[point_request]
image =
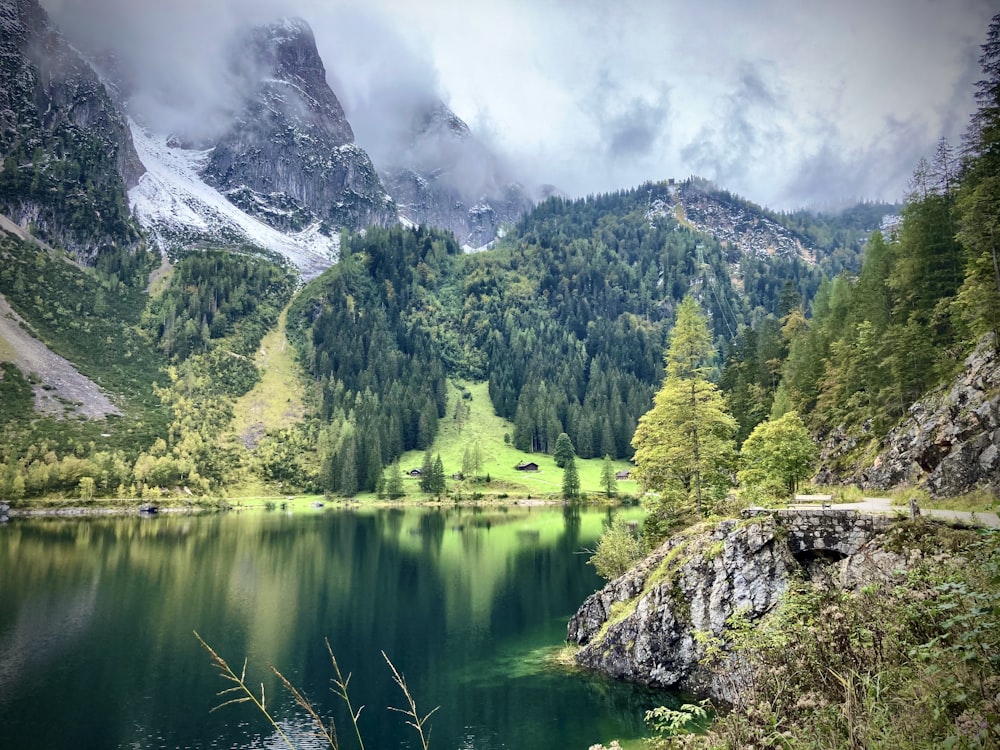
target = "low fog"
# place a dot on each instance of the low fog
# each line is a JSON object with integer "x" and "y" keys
{"x": 784, "y": 103}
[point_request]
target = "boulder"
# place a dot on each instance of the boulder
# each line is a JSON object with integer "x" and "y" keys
{"x": 642, "y": 627}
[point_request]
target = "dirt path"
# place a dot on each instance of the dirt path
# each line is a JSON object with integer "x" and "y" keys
{"x": 62, "y": 391}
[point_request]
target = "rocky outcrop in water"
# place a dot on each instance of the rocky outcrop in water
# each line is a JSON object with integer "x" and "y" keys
{"x": 289, "y": 156}
{"x": 644, "y": 626}
{"x": 949, "y": 441}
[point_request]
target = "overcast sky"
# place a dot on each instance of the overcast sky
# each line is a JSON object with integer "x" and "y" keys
{"x": 786, "y": 102}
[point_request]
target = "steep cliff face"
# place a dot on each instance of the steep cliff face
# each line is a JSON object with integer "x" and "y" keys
{"x": 67, "y": 152}
{"x": 447, "y": 178}
{"x": 641, "y": 627}
{"x": 289, "y": 156}
{"x": 644, "y": 626}
{"x": 949, "y": 441}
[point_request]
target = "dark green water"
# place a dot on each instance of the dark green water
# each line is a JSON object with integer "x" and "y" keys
{"x": 96, "y": 621}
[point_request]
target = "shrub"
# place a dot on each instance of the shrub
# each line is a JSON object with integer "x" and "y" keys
{"x": 618, "y": 550}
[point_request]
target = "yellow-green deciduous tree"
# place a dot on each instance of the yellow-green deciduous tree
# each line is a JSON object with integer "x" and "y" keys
{"x": 778, "y": 452}
{"x": 686, "y": 440}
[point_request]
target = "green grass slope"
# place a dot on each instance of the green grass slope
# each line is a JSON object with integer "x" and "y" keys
{"x": 482, "y": 426}
{"x": 277, "y": 401}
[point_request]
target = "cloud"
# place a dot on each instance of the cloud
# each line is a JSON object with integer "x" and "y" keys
{"x": 835, "y": 174}
{"x": 172, "y": 55}
{"x": 631, "y": 125}
{"x": 748, "y": 132}
{"x": 383, "y": 78}
{"x": 784, "y": 102}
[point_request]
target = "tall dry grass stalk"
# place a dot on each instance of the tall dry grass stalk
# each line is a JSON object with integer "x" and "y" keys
{"x": 242, "y": 692}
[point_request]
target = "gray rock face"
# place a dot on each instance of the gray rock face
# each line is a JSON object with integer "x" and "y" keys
{"x": 289, "y": 156}
{"x": 737, "y": 225}
{"x": 446, "y": 178}
{"x": 949, "y": 441}
{"x": 642, "y": 626}
{"x": 67, "y": 150}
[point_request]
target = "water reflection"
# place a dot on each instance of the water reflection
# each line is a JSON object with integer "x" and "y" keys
{"x": 96, "y": 618}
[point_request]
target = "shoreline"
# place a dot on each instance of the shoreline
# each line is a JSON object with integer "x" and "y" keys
{"x": 307, "y": 503}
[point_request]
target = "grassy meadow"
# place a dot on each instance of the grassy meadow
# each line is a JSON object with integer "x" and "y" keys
{"x": 483, "y": 427}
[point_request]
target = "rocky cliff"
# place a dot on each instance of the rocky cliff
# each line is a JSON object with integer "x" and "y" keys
{"x": 443, "y": 176}
{"x": 644, "y": 626}
{"x": 949, "y": 441}
{"x": 735, "y": 223}
{"x": 67, "y": 152}
{"x": 289, "y": 156}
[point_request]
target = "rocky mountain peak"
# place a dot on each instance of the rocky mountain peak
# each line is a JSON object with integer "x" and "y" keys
{"x": 280, "y": 61}
{"x": 437, "y": 119}
{"x": 444, "y": 176}
{"x": 288, "y": 156}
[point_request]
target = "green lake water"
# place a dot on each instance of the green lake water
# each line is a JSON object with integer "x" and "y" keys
{"x": 96, "y": 621}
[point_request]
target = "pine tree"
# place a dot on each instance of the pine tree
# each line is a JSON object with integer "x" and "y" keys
{"x": 978, "y": 204}
{"x": 394, "y": 484}
{"x": 571, "y": 481}
{"x": 437, "y": 486}
{"x": 477, "y": 459}
{"x": 467, "y": 462}
{"x": 426, "y": 472}
{"x": 348, "y": 467}
{"x": 608, "y": 478}
{"x": 686, "y": 437}
{"x": 563, "y": 450}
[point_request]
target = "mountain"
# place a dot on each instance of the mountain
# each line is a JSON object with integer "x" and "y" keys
{"x": 67, "y": 152}
{"x": 180, "y": 211}
{"x": 566, "y": 317}
{"x": 284, "y": 174}
{"x": 289, "y": 157}
{"x": 443, "y": 176}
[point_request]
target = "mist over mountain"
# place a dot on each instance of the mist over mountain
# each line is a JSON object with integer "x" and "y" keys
{"x": 441, "y": 175}
{"x": 282, "y": 149}
{"x": 791, "y": 106}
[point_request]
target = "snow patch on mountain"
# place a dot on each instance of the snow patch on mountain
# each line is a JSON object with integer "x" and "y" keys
{"x": 180, "y": 211}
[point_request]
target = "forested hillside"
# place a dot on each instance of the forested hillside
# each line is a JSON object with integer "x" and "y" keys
{"x": 173, "y": 364}
{"x": 868, "y": 345}
{"x": 566, "y": 319}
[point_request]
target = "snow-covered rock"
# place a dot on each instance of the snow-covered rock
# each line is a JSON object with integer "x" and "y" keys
{"x": 180, "y": 210}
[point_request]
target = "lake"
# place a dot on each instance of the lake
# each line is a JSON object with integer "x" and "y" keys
{"x": 97, "y": 618}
